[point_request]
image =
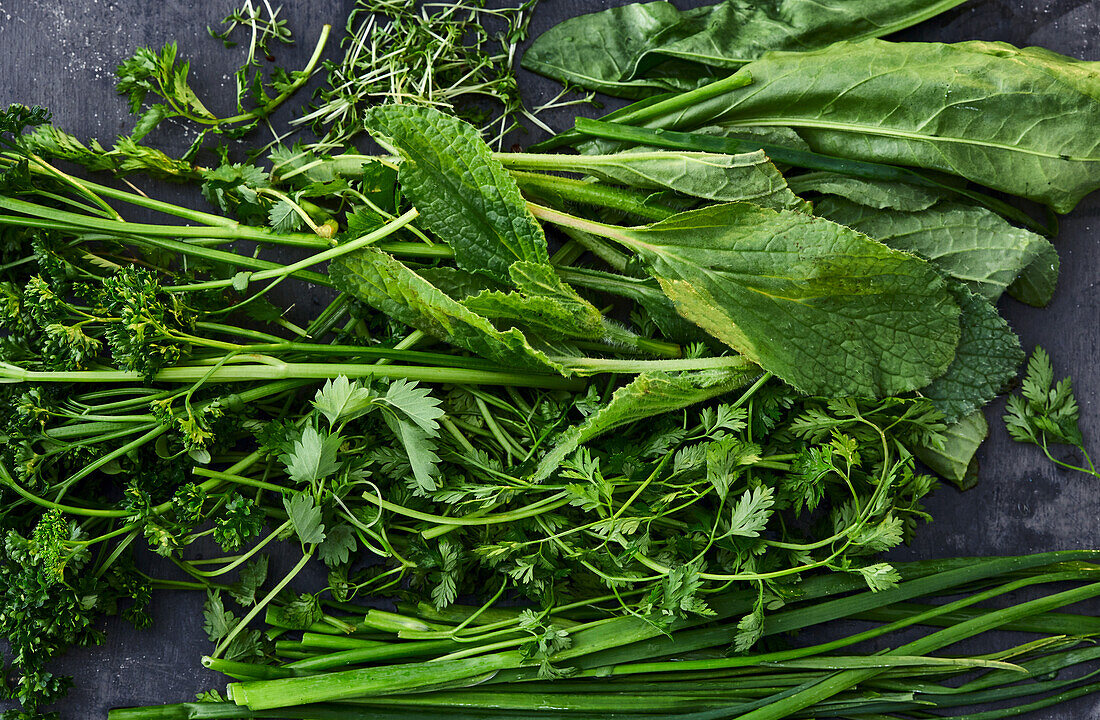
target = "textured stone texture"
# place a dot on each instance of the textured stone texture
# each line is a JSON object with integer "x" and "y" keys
{"x": 61, "y": 54}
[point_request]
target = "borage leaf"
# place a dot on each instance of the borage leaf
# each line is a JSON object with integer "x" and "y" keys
{"x": 464, "y": 196}
{"x": 986, "y": 360}
{"x": 827, "y": 309}
{"x": 385, "y": 283}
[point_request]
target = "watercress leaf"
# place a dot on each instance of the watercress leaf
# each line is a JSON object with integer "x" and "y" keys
{"x": 967, "y": 242}
{"x": 985, "y": 361}
{"x": 954, "y": 460}
{"x": 986, "y": 111}
{"x": 416, "y": 403}
{"x": 305, "y": 517}
{"x": 648, "y": 394}
{"x": 751, "y": 513}
{"x": 623, "y": 51}
{"x": 465, "y": 196}
{"x": 313, "y": 456}
{"x": 827, "y": 309}
{"x": 385, "y": 283}
{"x": 341, "y": 399}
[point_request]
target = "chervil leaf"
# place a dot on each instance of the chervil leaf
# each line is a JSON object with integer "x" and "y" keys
{"x": 421, "y": 451}
{"x": 217, "y": 621}
{"x": 305, "y": 517}
{"x": 416, "y": 403}
{"x": 752, "y": 512}
{"x": 750, "y": 628}
{"x": 313, "y": 456}
{"x": 880, "y": 576}
{"x": 341, "y": 399}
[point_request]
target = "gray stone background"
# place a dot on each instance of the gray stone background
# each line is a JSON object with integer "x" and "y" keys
{"x": 62, "y": 54}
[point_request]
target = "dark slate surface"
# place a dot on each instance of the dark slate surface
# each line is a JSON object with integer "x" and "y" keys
{"x": 61, "y": 54}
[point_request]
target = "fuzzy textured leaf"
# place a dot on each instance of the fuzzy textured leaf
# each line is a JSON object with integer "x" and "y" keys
{"x": 827, "y": 309}
{"x": 722, "y": 178}
{"x": 465, "y": 197}
{"x": 955, "y": 460}
{"x": 986, "y": 360}
{"x": 385, "y": 283}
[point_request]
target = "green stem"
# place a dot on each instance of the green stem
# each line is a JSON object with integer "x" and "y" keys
{"x": 588, "y": 193}
{"x": 304, "y": 371}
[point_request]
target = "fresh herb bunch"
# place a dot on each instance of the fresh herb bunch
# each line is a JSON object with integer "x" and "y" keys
{"x": 458, "y": 56}
{"x": 586, "y": 661}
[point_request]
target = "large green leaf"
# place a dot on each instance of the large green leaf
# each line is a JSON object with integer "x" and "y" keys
{"x": 871, "y": 193}
{"x": 385, "y": 283}
{"x": 465, "y": 197}
{"x": 646, "y": 395}
{"x": 1036, "y": 283}
{"x": 825, "y": 308}
{"x": 710, "y": 176}
{"x": 1019, "y": 120}
{"x": 986, "y": 360}
{"x": 955, "y": 460}
{"x": 624, "y": 51}
{"x": 543, "y": 303}
{"x": 967, "y": 242}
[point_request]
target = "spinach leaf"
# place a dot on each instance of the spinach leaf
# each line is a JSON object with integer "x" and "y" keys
{"x": 385, "y": 283}
{"x": 955, "y": 459}
{"x": 1018, "y": 120}
{"x": 825, "y": 308}
{"x": 648, "y": 394}
{"x": 709, "y": 176}
{"x": 969, "y": 243}
{"x": 985, "y": 361}
{"x": 1036, "y": 283}
{"x": 627, "y": 51}
{"x": 872, "y": 193}
{"x": 465, "y": 197}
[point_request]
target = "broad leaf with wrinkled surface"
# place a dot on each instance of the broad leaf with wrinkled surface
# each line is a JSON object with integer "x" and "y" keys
{"x": 390, "y": 286}
{"x": 967, "y": 242}
{"x": 624, "y": 51}
{"x": 1018, "y": 120}
{"x": 465, "y": 197}
{"x": 985, "y": 361}
{"x": 825, "y": 308}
